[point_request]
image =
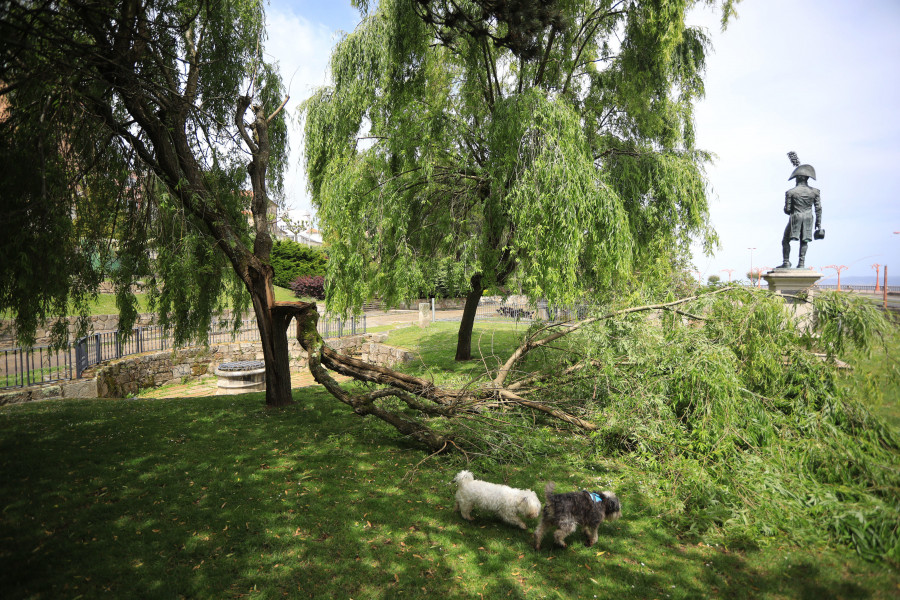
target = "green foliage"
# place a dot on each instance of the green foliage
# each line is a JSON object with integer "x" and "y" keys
{"x": 291, "y": 260}
{"x": 190, "y": 281}
{"x": 510, "y": 142}
{"x": 843, "y": 321}
{"x": 118, "y": 131}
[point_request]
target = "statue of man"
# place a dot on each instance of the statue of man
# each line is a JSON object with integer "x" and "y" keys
{"x": 803, "y": 205}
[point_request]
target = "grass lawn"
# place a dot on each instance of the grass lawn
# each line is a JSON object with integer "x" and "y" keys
{"x": 218, "y": 497}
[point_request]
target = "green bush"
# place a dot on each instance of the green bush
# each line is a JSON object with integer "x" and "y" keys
{"x": 292, "y": 260}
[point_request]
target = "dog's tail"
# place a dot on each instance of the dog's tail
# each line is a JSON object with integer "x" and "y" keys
{"x": 548, "y": 506}
{"x": 463, "y": 476}
{"x": 548, "y": 489}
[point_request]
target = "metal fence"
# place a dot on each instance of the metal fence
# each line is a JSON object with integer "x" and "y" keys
{"x": 21, "y": 367}
{"x": 40, "y": 364}
{"x": 852, "y": 287}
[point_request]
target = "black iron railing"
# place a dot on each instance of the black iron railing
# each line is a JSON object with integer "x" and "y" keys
{"x": 20, "y": 367}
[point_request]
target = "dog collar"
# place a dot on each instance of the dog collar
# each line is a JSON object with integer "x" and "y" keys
{"x": 595, "y": 497}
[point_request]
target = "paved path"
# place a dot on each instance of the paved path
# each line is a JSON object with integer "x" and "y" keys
{"x": 206, "y": 386}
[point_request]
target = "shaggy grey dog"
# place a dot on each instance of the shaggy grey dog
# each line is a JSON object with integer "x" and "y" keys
{"x": 568, "y": 511}
{"x": 508, "y": 503}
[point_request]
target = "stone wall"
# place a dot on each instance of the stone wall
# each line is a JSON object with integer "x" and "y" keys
{"x": 384, "y": 355}
{"x": 79, "y": 388}
{"x": 127, "y": 376}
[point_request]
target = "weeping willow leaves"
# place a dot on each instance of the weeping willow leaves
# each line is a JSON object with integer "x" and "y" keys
{"x": 61, "y": 232}
{"x": 552, "y": 152}
{"x": 120, "y": 120}
{"x": 744, "y": 429}
{"x": 844, "y": 320}
{"x": 564, "y": 214}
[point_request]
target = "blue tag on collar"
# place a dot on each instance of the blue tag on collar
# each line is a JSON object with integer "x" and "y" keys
{"x": 595, "y": 497}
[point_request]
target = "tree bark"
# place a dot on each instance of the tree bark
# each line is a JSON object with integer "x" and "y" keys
{"x": 272, "y": 325}
{"x": 464, "y": 337}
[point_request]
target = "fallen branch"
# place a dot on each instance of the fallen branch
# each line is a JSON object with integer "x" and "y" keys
{"x": 555, "y": 412}
{"x": 531, "y": 344}
{"x": 417, "y": 393}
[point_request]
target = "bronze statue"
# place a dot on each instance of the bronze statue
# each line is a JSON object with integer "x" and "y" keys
{"x": 802, "y": 204}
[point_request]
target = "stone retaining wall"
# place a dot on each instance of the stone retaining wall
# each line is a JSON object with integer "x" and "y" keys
{"x": 127, "y": 376}
{"x": 384, "y": 355}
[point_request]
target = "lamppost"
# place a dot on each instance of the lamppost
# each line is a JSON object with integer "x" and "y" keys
{"x": 729, "y": 271}
{"x": 759, "y": 273}
{"x": 837, "y": 268}
{"x": 751, "y": 259}
{"x": 877, "y": 268}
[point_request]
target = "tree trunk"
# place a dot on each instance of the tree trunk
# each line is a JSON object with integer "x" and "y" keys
{"x": 272, "y": 324}
{"x": 273, "y": 338}
{"x": 464, "y": 337}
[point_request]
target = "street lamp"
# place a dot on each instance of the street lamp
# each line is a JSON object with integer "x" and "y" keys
{"x": 729, "y": 271}
{"x": 837, "y": 268}
{"x": 759, "y": 273}
{"x": 751, "y": 259}
{"x": 877, "y": 268}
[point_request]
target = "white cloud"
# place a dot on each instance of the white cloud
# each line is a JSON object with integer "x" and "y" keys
{"x": 302, "y": 49}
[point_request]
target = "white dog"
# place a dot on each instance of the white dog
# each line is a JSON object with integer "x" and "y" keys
{"x": 507, "y": 502}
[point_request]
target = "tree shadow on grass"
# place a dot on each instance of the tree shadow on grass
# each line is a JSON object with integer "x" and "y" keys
{"x": 218, "y": 497}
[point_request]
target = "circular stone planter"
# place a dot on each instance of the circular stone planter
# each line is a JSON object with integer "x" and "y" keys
{"x": 241, "y": 377}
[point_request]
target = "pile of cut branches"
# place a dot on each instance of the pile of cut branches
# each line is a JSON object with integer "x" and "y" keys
{"x": 735, "y": 408}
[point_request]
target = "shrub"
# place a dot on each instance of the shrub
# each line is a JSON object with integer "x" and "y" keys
{"x": 309, "y": 286}
{"x": 291, "y": 260}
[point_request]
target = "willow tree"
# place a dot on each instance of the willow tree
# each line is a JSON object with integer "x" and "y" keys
{"x": 132, "y": 128}
{"x": 547, "y": 141}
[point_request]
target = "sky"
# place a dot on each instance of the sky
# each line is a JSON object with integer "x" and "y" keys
{"x": 819, "y": 77}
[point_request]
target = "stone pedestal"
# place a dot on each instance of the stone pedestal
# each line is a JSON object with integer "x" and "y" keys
{"x": 791, "y": 282}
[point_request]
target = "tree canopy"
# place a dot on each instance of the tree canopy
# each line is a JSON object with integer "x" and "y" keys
{"x": 550, "y": 141}
{"x": 124, "y": 132}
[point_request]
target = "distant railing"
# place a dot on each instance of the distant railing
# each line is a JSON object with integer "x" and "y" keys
{"x": 21, "y": 367}
{"x": 490, "y": 309}
{"x": 852, "y": 287}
